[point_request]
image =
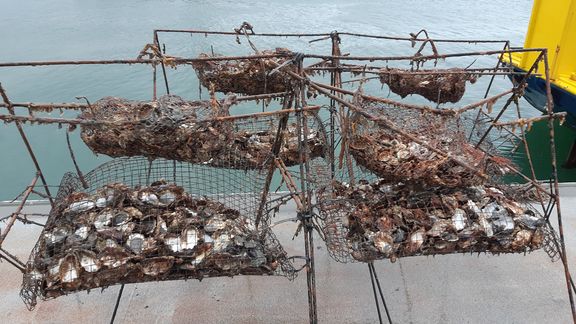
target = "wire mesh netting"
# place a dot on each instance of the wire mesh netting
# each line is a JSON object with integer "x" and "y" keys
{"x": 438, "y": 154}
{"x": 142, "y": 220}
{"x": 245, "y": 76}
{"x": 195, "y": 132}
{"x": 378, "y": 220}
{"x": 438, "y": 85}
{"x": 422, "y": 188}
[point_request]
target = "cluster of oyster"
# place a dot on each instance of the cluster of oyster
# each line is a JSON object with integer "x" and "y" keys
{"x": 170, "y": 128}
{"x": 123, "y": 235}
{"x": 245, "y": 76}
{"x": 391, "y": 221}
{"x": 439, "y": 86}
{"x": 397, "y": 159}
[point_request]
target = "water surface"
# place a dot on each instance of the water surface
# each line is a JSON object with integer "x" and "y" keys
{"x": 67, "y": 29}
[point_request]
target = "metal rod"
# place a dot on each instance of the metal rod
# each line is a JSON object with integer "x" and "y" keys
{"x": 371, "y": 264}
{"x": 400, "y": 38}
{"x": 524, "y": 121}
{"x": 157, "y": 43}
{"x": 174, "y": 60}
{"x": 375, "y": 294}
{"x": 430, "y": 72}
{"x": 12, "y": 219}
{"x": 27, "y": 144}
{"x": 180, "y": 61}
{"x": 512, "y": 98}
{"x": 550, "y": 110}
{"x": 423, "y": 57}
{"x": 493, "y": 76}
{"x": 78, "y": 171}
{"x": 13, "y": 257}
{"x": 428, "y": 109}
{"x": 282, "y": 124}
{"x": 117, "y": 304}
{"x": 42, "y": 107}
{"x": 71, "y": 121}
{"x": 12, "y": 262}
{"x": 34, "y": 106}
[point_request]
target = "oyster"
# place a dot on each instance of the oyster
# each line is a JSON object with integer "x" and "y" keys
{"x": 149, "y": 198}
{"x": 167, "y": 197}
{"x": 530, "y": 221}
{"x": 384, "y": 243}
{"x": 173, "y": 242}
{"x": 214, "y": 224}
{"x": 120, "y": 218}
{"x": 135, "y": 243}
{"x": 221, "y": 242}
{"x": 81, "y": 206}
{"x": 157, "y": 266}
{"x": 88, "y": 260}
{"x": 416, "y": 241}
{"x": 459, "y": 219}
{"x": 114, "y": 257}
{"x": 69, "y": 270}
{"x": 522, "y": 240}
{"x": 189, "y": 238}
{"x": 104, "y": 219}
{"x": 57, "y": 235}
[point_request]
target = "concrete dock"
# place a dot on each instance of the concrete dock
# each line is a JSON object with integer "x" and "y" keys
{"x": 441, "y": 289}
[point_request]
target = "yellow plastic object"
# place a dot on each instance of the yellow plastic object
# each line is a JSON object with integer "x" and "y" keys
{"x": 552, "y": 26}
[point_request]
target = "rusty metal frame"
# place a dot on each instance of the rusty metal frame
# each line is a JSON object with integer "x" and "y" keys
{"x": 339, "y": 108}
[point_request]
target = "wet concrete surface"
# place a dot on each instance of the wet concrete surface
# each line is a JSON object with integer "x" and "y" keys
{"x": 441, "y": 289}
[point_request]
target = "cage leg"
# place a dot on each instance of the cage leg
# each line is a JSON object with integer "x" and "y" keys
{"x": 371, "y": 265}
{"x": 375, "y": 294}
{"x": 310, "y": 272}
{"x": 117, "y": 304}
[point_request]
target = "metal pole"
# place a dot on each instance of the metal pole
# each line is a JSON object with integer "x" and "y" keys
{"x": 27, "y": 144}
{"x": 375, "y": 294}
{"x": 12, "y": 219}
{"x": 550, "y": 104}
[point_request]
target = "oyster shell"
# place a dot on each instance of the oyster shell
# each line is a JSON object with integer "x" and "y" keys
{"x": 149, "y": 198}
{"x": 156, "y": 266}
{"x": 135, "y": 243}
{"x": 521, "y": 240}
{"x": 103, "y": 219}
{"x": 81, "y": 206}
{"x": 221, "y": 242}
{"x": 417, "y": 239}
{"x": 114, "y": 257}
{"x": 57, "y": 235}
{"x": 214, "y": 224}
{"x": 189, "y": 238}
{"x": 88, "y": 260}
{"x": 530, "y": 221}
{"x": 459, "y": 219}
{"x": 173, "y": 242}
{"x": 384, "y": 243}
{"x": 167, "y": 197}
{"x": 69, "y": 270}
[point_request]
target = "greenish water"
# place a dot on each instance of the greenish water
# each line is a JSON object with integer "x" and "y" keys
{"x": 66, "y": 29}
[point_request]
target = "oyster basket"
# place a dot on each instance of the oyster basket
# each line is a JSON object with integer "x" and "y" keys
{"x": 359, "y": 225}
{"x": 396, "y": 158}
{"x": 224, "y": 199}
{"x": 377, "y": 220}
{"x": 200, "y": 132}
{"x": 246, "y": 76}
